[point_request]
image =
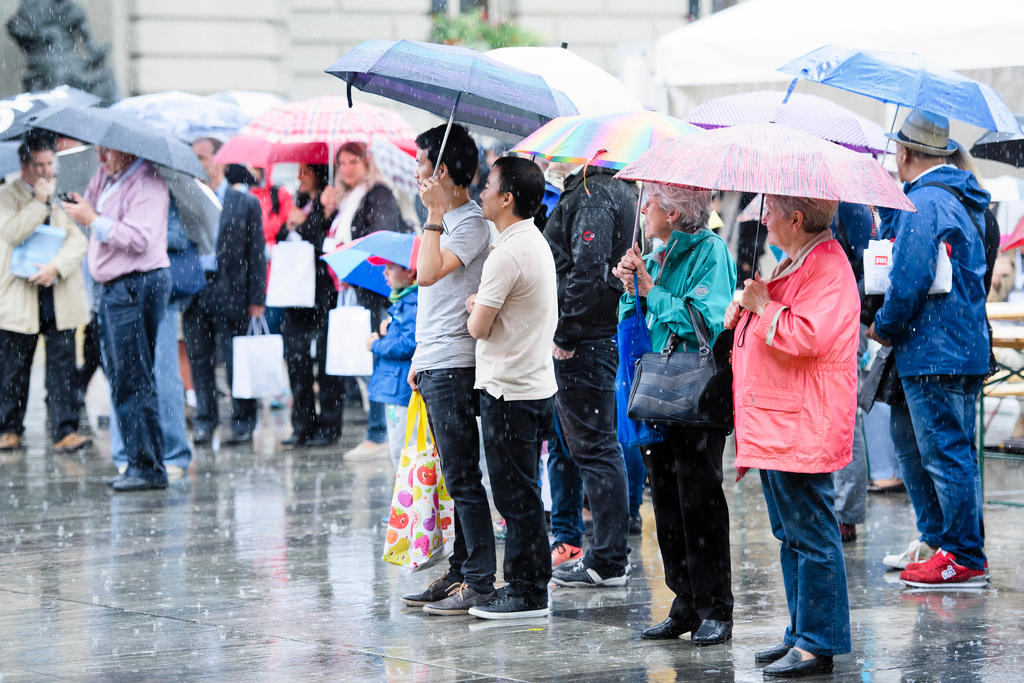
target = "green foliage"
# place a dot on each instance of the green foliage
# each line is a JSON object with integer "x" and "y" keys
{"x": 472, "y": 29}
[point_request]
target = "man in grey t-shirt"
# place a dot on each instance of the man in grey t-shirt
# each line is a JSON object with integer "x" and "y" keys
{"x": 451, "y": 258}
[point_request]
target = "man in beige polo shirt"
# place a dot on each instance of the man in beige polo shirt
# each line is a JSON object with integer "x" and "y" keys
{"x": 513, "y": 317}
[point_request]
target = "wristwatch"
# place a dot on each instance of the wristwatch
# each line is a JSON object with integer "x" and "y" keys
{"x": 434, "y": 226}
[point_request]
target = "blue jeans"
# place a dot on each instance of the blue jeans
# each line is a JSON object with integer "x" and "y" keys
{"x": 636, "y": 476}
{"x": 934, "y": 438}
{"x": 170, "y": 394}
{"x": 881, "y": 453}
{"x": 566, "y": 492}
{"x": 802, "y": 515}
{"x": 130, "y": 311}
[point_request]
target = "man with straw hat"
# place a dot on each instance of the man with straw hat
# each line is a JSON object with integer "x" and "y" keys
{"x": 941, "y": 347}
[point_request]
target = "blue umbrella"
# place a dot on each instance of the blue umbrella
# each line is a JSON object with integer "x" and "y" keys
{"x": 15, "y": 111}
{"x": 908, "y": 80}
{"x": 361, "y": 262}
{"x": 186, "y": 116}
{"x": 456, "y": 83}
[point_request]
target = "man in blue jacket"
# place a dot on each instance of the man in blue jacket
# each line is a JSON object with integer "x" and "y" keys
{"x": 942, "y": 352}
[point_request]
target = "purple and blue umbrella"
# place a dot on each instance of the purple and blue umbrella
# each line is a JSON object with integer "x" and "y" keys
{"x": 815, "y": 115}
{"x": 456, "y": 83}
{"x": 361, "y": 262}
{"x": 908, "y": 80}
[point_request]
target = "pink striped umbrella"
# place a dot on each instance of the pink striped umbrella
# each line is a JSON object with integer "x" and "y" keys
{"x": 814, "y": 115}
{"x": 769, "y": 158}
{"x": 331, "y": 121}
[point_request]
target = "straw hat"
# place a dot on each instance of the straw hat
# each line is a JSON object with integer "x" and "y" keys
{"x": 925, "y": 132}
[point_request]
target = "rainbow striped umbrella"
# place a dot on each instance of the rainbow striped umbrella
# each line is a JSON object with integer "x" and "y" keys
{"x": 609, "y": 140}
{"x": 769, "y": 158}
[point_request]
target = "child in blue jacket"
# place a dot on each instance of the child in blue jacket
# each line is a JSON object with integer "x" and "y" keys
{"x": 392, "y": 350}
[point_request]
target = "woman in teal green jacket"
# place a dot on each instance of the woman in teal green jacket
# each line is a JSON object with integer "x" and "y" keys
{"x": 685, "y": 470}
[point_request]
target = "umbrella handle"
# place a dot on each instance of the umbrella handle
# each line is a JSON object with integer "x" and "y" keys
{"x": 636, "y": 223}
{"x": 444, "y": 140}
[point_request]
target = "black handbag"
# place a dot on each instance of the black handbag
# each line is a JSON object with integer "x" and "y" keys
{"x": 679, "y": 387}
{"x": 882, "y": 383}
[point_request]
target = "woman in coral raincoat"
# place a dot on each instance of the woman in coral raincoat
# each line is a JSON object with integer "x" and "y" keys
{"x": 795, "y": 391}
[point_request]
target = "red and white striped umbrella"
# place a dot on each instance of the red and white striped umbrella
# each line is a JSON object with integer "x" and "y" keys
{"x": 769, "y": 158}
{"x": 330, "y": 120}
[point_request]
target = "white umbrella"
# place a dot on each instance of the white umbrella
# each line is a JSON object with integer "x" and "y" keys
{"x": 593, "y": 90}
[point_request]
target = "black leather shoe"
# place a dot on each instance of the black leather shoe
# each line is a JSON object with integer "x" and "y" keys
{"x": 131, "y": 483}
{"x": 201, "y": 435}
{"x": 712, "y": 632}
{"x": 237, "y": 438}
{"x": 321, "y": 441}
{"x": 669, "y": 629}
{"x": 771, "y": 654}
{"x": 791, "y": 665}
{"x": 295, "y": 441}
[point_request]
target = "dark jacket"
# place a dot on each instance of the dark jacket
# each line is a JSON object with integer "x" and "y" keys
{"x": 241, "y": 257}
{"x": 378, "y": 211}
{"x": 393, "y": 353}
{"x": 588, "y": 235}
{"x": 939, "y": 334}
{"x": 314, "y": 230}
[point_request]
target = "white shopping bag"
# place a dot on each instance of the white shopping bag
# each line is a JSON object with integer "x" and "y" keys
{"x": 257, "y": 363}
{"x": 878, "y": 264}
{"x": 292, "y": 275}
{"x": 347, "y": 330}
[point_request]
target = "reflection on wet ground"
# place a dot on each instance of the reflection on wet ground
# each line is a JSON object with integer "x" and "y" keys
{"x": 263, "y": 562}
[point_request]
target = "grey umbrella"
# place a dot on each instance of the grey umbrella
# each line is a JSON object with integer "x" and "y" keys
{"x": 198, "y": 206}
{"x": 120, "y": 131}
{"x": 15, "y": 111}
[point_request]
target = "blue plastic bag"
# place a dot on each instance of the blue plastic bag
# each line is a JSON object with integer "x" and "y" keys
{"x": 40, "y": 247}
{"x": 634, "y": 340}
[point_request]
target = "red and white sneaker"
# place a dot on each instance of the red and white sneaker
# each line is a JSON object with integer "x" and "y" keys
{"x": 942, "y": 570}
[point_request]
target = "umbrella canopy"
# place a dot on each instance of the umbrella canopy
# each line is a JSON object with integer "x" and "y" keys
{"x": 186, "y": 116}
{"x": 591, "y": 89}
{"x": 361, "y": 262}
{"x": 906, "y": 79}
{"x": 15, "y": 111}
{"x": 769, "y": 158}
{"x": 1005, "y": 147}
{"x": 9, "y": 160}
{"x": 453, "y": 82}
{"x": 123, "y": 132}
{"x": 610, "y": 140}
{"x": 808, "y": 113}
{"x": 248, "y": 149}
{"x": 330, "y": 120}
{"x": 1014, "y": 239}
{"x": 251, "y": 102}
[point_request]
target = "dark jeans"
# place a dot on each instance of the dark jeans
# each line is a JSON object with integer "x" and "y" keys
{"x": 452, "y": 406}
{"x": 566, "y": 492}
{"x": 512, "y": 433}
{"x": 131, "y": 309}
{"x": 16, "y": 351}
{"x": 206, "y": 332}
{"x": 636, "y": 476}
{"x": 934, "y": 438}
{"x": 692, "y": 519}
{"x": 586, "y": 413}
{"x": 801, "y": 508}
{"x": 301, "y": 326}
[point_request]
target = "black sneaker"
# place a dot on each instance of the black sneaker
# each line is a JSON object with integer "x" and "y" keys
{"x": 432, "y": 593}
{"x": 506, "y": 606}
{"x": 636, "y": 526}
{"x": 579, "y": 575}
{"x": 459, "y": 600}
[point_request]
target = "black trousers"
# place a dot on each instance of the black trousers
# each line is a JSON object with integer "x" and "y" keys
{"x": 452, "y": 406}
{"x": 692, "y": 519}
{"x": 301, "y": 326}
{"x": 16, "y": 352}
{"x": 208, "y": 331}
{"x": 91, "y": 361}
{"x": 513, "y": 431}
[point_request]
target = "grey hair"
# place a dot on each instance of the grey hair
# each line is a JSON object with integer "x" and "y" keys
{"x": 818, "y": 213}
{"x": 693, "y": 205}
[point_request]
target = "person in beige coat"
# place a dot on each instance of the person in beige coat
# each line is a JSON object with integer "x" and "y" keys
{"x": 51, "y": 302}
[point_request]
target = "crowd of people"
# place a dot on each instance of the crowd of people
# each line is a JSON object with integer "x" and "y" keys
{"x": 506, "y": 324}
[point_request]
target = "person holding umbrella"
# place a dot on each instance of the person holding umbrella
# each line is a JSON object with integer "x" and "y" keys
{"x": 795, "y": 393}
{"x": 685, "y": 470}
{"x": 125, "y": 208}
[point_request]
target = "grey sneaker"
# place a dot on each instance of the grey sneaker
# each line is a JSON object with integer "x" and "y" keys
{"x": 438, "y": 590}
{"x": 580, "y": 575}
{"x": 503, "y": 605}
{"x": 460, "y": 598}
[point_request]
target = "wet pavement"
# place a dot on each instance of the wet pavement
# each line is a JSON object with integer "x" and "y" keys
{"x": 263, "y": 563}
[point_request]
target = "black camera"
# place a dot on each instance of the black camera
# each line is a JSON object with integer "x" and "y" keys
{"x": 66, "y": 197}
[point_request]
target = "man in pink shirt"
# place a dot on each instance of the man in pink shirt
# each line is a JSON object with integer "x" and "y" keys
{"x": 125, "y": 208}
